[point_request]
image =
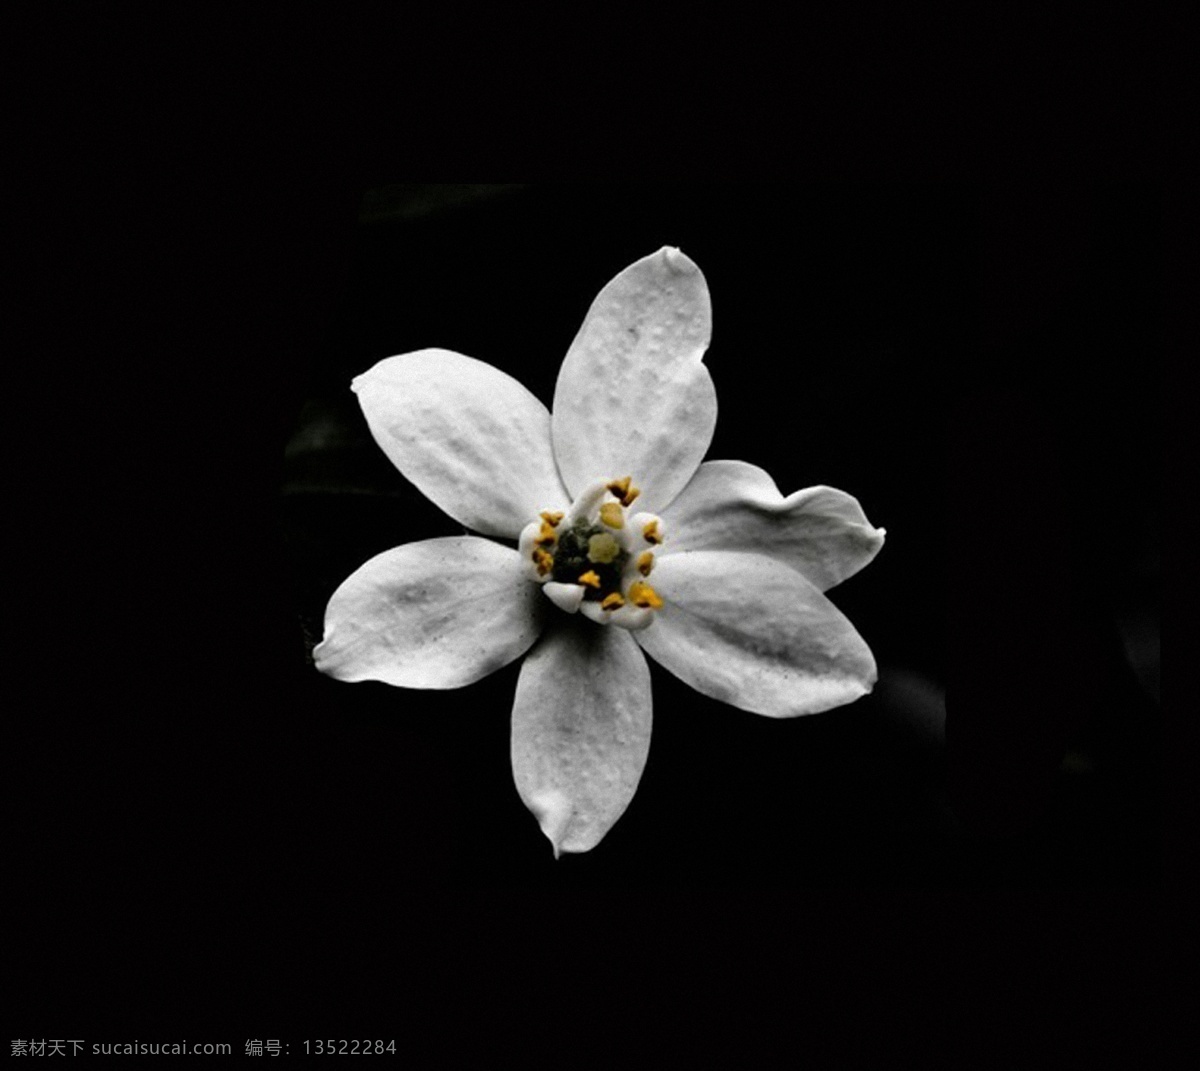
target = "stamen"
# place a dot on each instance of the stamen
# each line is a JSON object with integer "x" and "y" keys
{"x": 622, "y": 490}
{"x": 645, "y": 562}
{"x": 590, "y": 578}
{"x": 552, "y": 517}
{"x": 583, "y": 508}
{"x": 546, "y": 534}
{"x": 650, "y": 532}
{"x": 618, "y": 488}
{"x": 543, "y": 559}
{"x": 642, "y": 594}
{"x": 612, "y": 515}
{"x": 602, "y": 549}
{"x": 628, "y": 617}
{"x": 612, "y": 602}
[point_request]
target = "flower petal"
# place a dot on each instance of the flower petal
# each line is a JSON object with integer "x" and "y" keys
{"x": 633, "y": 397}
{"x": 580, "y": 730}
{"x": 750, "y": 632}
{"x": 470, "y": 437}
{"x": 441, "y": 613}
{"x": 731, "y": 505}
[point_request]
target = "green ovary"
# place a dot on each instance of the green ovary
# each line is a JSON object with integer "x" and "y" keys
{"x": 588, "y": 548}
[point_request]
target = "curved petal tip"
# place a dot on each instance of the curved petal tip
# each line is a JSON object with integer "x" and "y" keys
{"x": 678, "y": 261}
{"x": 553, "y": 811}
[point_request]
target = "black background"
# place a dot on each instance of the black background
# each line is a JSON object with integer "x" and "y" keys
{"x": 211, "y": 832}
{"x": 979, "y": 367}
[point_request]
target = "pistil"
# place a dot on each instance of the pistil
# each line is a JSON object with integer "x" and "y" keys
{"x": 593, "y": 557}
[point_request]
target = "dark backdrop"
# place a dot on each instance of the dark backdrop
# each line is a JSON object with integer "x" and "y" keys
{"x": 213, "y": 842}
{"x": 978, "y": 364}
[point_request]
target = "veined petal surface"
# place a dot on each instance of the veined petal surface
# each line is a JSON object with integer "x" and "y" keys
{"x": 441, "y": 613}
{"x": 580, "y": 730}
{"x": 471, "y": 438}
{"x": 753, "y": 633}
{"x": 735, "y": 506}
{"x": 633, "y": 396}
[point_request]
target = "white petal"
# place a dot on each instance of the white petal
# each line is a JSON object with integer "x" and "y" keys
{"x": 580, "y": 730}
{"x": 633, "y": 396}
{"x": 470, "y": 437}
{"x": 441, "y": 613}
{"x": 755, "y": 634}
{"x": 731, "y": 505}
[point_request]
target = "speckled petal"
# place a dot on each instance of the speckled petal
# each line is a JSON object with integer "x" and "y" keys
{"x": 470, "y": 437}
{"x": 440, "y": 613}
{"x": 633, "y": 396}
{"x": 753, "y": 633}
{"x": 731, "y": 505}
{"x": 580, "y": 730}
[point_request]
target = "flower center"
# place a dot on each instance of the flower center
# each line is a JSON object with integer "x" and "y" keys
{"x": 595, "y": 557}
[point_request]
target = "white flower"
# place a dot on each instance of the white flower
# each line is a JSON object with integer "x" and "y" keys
{"x": 626, "y": 545}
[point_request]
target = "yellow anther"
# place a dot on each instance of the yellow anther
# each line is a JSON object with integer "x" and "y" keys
{"x": 645, "y": 562}
{"x": 612, "y": 602}
{"x": 543, "y": 559}
{"x": 642, "y": 594}
{"x": 590, "y": 578}
{"x": 552, "y": 517}
{"x": 650, "y": 532}
{"x": 602, "y": 548}
{"x": 612, "y": 515}
{"x": 546, "y": 534}
{"x": 621, "y": 489}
